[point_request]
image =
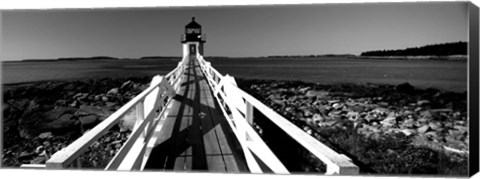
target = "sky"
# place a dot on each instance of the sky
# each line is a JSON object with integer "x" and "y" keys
{"x": 235, "y": 31}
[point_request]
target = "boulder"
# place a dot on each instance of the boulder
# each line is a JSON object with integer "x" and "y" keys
{"x": 104, "y": 98}
{"x": 279, "y": 102}
{"x": 45, "y": 135}
{"x": 369, "y": 118}
{"x": 274, "y": 96}
{"x": 5, "y": 106}
{"x": 331, "y": 102}
{"x": 337, "y": 106}
{"x": 88, "y": 120}
{"x": 80, "y": 96}
{"x": 110, "y": 104}
{"x": 426, "y": 113}
{"x": 461, "y": 129}
{"x": 307, "y": 113}
{"x": 97, "y": 97}
{"x": 118, "y": 145}
{"x": 459, "y": 123}
{"x": 423, "y": 129}
{"x": 373, "y": 129}
{"x": 431, "y": 134}
{"x": 389, "y": 121}
{"x": 405, "y": 88}
{"x": 39, "y": 160}
{"x": 61, "y": 102}
{"x": 423, "y": 102}
{"x": 34, "y": 121}
{"x": 63, "y": 124}
{"x": 127, "y": 85}
{"x": 383, "y": 111}
{"x": 408, "y": 132}
{"x": 403, "y": 102}
{"x": 74, "y": 104}
{"x": 409, "y": 123}
{"x": 323, "y": 110}
{"x": 26, "y": 156}
{"x": 317, "y": 118}
{"x": 448, "y": 125}
{"x": 443, "y": 110}
{"x": 19, "y": 104}
{"x": 112, "y": 92}
{"x": 383, "y": 104}
{"x": 435, "y": 125}
{"x": 86, "y": 110}
{"x": 353, "y": 116}
{"x": 327, "y": 123}
{"x": 358, "y": 108}
{"x": 423, "y": 120}
{"x": 315, "y": 93}
{"x": 39, "y": 149}
{"x": 304, "y": 90}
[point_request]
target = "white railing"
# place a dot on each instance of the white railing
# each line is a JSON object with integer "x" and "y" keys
{"x": 150, "y": 110}
{"x": 149, "y": 107}
{"x": 241, "y": 105}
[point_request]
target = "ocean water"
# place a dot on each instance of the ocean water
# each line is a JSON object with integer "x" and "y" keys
{"x": 20, "y": 72}
{"x": 447, "y": 75}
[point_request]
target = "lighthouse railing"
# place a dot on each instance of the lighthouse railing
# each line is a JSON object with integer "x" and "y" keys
{"x": 149, "y": 107}
{"x": 238, "y": 106}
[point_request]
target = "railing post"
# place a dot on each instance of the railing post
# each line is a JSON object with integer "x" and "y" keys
{"x": 76, "y": 163}
{"x": 249, "y": 113}
{"x": 79, "y": 163}
{"x": 140, "y": 114}
{"x": 339, "y": 170}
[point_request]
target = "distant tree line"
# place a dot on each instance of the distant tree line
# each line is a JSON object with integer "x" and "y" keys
{"x": 87, "y": 58}
{"x": 159, "y": 57}
{"x": 98, "y": 58}
{"x": 309, "y": 56}
{"x": 445, "y": 49}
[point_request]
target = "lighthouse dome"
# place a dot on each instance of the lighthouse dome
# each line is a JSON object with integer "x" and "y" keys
{"x": 193, "y": 24}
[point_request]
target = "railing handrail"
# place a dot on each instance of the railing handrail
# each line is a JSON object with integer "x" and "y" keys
{"x": 66, "y": 156}
{"x": 336, "y": 163}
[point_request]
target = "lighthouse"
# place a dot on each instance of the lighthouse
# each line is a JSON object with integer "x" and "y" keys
{"x": 193, "y": 39}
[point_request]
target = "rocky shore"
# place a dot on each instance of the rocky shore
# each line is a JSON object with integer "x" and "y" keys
{"x": 386, "y": 129}
{"x": 41, "y": 118}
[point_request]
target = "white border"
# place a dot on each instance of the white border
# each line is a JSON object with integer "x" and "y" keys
{"x": 78, "y": 4}
{"x": 62, "y": 4}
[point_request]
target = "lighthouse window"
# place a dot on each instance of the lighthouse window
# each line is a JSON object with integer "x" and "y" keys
{"x": 193, "y": 31}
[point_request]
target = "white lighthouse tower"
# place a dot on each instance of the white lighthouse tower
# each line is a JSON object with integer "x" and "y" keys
{"x": 193, "y": 39}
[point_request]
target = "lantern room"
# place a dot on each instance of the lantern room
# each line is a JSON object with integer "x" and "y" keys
{"x": 193, "y": 39}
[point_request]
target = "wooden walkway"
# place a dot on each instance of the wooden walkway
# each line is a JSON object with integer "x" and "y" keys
{"x": 195, "y": 134}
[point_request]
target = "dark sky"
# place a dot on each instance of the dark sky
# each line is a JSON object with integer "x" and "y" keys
{"x": 231, "y": 31}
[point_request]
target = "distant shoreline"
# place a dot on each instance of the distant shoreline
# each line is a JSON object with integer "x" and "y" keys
{"x": 90, "y": 59}
{"x": 275, "y": 57}
{"x": 427, "y": 57}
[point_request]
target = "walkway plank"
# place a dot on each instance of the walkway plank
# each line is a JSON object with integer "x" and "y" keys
{"x": 195, "y": 135}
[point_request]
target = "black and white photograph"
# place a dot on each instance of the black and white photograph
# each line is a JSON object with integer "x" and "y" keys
{"x": 350, "y": 89}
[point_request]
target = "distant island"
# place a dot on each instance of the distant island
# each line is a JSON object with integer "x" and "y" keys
{"x": 310, "y": 56}
{"x": 283, "y": 56}
{"x": 159, "y": 57}
{"x": 96, "y": 58}
{"x": 445, "y": 49}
